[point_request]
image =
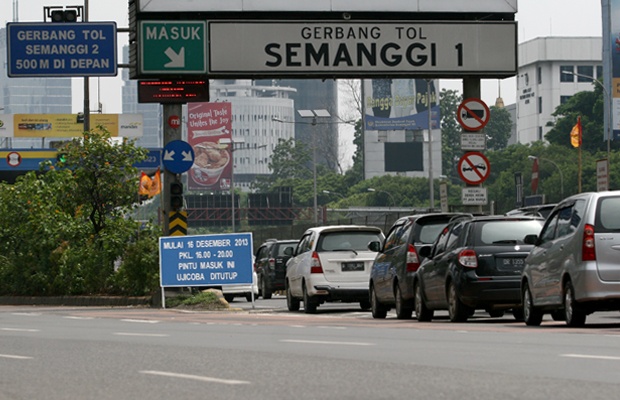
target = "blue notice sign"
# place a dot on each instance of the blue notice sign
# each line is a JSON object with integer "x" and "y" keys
{"x": 205, "y": 260}
{"x": 178, "y": 156}
{"x": 61, "y": 49}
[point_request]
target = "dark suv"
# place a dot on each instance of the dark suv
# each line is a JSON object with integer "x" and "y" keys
{"x": 391, "y": 276}
{"x": 270, "y": 265}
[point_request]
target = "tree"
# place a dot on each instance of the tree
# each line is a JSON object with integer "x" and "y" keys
{"x": 450, "y": 132}
{"x": 498, "y": 129}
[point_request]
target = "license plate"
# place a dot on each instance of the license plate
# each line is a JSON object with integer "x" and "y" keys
{"x": 352, "y": 266}
{"x": 503, "y": 263}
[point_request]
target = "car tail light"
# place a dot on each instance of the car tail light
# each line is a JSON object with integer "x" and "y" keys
{"x": 588, "y": 251}
{"x": 413, "y": 261}
{"x": 467, "y": 258}
{"x": 315, "y": 264}
{"x": 272, "y": 263}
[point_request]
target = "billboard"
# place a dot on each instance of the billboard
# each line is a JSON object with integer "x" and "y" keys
{"x": 209, "y": 132}
{"x": 400, "y": 104}
{"x": 67, "y": 125}
{"x": 611, "y": 65}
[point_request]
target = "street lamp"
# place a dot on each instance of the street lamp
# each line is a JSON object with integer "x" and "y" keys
{"x": 609, "y": 110}
{"x": 314, "y": 114}
{"x": 383, "y": 191}
{"x": 337, "y": 194}
{"x": 559, "y": 170}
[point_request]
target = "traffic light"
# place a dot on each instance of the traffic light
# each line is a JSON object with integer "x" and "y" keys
{"x": 64, "y": 15}
{"x": 176, "y": 196}
{"x": 61, "y": 157}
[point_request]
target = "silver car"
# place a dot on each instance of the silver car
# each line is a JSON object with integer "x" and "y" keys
{"x": 574, "y": 268}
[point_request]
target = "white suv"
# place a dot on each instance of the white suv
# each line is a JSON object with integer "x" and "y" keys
{"x": 331, "y": 263}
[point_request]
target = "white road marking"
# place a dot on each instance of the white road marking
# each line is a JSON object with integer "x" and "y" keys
{"x": 196, "y": 377}
{"x": 18, "y": 330}
{"x": 27, "y": 314}
{"x": 15, "y": 357}
{"x": 591, "y": 356}
{"x": 142, "y": 321}
{"x": 74, "y": 317}
{"x": 332, "y": 327}
{"x": 327, "y": 342}
{"x": 141, "y": 334}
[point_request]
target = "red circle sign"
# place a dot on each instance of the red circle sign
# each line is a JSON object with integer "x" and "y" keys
{"x": 474, "y": 168}
{"x": 174, "y": 121}
{"x": 473, "y": 114}
{"x": 13, "y": 159}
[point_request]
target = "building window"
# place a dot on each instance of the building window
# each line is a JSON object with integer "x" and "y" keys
{"x": 539, "y": 105}
{"x": 564, "y": 99}
{"x": 599, "y": 71}
{"x": 566, "y": 77}
{"x": 540, "y": 133}
{"x": 539, "y": 75}
{"x": 587, "y": 71}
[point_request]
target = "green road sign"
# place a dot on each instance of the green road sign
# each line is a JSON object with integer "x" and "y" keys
{"x": 172, "y": 47}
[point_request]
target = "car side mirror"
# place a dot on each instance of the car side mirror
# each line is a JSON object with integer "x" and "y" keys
{"x": 374, "y": 246}
{"x": 530, "y": 239}
{"x": 425, "y": 251}
{"x": 288, "y": 251}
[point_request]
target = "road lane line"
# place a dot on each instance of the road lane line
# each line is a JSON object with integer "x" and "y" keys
{"x": 197, "y": 377}
{"x": 27, "y": 314}
{"x": 591, "y": 356}
{"x": 15, "y": 357}
{"x": 74, "y": 317}
{"x": 327, "y": 342}
{"x": 142, "y": 321}
{"x": 18, "y": 330}
{"x": 141, "y": 334}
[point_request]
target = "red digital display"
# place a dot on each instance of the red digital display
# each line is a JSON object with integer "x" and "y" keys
{"x": 173, "y": 91}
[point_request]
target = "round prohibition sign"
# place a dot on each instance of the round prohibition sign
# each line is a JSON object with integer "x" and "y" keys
{"x": 473, "y": 114}
{"x": 474, "y": 168}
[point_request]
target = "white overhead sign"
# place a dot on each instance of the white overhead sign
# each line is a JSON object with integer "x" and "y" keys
{"x": 361, "y": 49}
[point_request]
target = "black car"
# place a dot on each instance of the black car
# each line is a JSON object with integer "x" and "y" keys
{"x": 270, "y": 265}
{"x": 391, "y": 276}
{"x": 474, "y": 264}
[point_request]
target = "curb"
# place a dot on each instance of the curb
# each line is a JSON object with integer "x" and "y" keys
{"x": 85, "y": 301}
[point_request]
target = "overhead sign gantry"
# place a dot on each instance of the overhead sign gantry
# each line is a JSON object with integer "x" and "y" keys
{"x": 324, "y": 39}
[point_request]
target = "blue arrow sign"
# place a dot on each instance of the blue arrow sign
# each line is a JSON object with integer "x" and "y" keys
{"x": 178, "y": 156}
{"x": 61, "y": 49}
{"x": 205, "y": 260}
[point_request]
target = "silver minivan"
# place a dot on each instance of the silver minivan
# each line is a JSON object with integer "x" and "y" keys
{"x": 574, "y": 268}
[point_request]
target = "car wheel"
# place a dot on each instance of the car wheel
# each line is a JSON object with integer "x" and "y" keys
{"x": 422, "y": 313}
{"x": 377, "y": 309}
{"x": 310, "y": 304}
{"x": 248, "y": 297}
{"x": 458, "y": 311}
{"x": 265, "y": 289}
{"x": 292, "y": 303}
{"x": 531, "y": 315}
{"x": 229, "y": 297}
{"x": 402, "y": 311}
{"x": 573, "y": 312}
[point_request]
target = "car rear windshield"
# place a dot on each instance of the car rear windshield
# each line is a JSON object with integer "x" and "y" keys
{"x": 429, "y": 232}
{"x": 508, "y": 232}
{"x": 345, "y": 240}
{"x": 608, "y": 215}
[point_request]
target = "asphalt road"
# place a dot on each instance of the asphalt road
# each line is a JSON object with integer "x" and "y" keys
{"x": 266, "y": 352}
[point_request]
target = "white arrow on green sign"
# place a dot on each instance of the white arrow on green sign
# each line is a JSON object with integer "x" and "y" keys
{"x": 172, "y": 47}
